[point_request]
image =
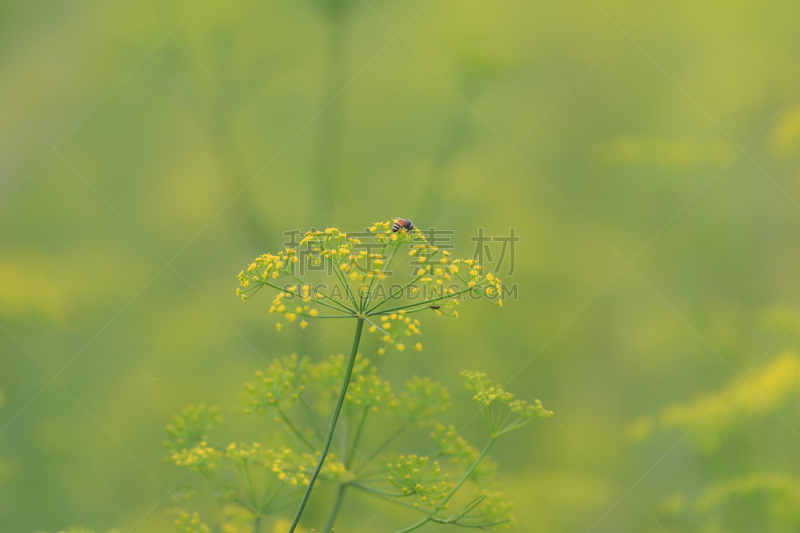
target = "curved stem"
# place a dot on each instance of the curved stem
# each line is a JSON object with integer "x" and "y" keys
{"x": 334, "y": 418}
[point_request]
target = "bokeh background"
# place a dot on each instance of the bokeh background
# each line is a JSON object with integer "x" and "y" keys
{"x": 647, "y": 154}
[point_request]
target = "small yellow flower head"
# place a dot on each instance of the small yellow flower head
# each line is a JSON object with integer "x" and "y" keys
{"x": 487, "y": 394}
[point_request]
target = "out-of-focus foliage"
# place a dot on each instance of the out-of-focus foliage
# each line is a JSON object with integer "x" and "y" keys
{"x": 116, "y": 260}
{"x": 776, "y": 384}
{"x": 734, "y": 494}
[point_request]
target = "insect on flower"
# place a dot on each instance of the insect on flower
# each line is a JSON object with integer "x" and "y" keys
{"x": 402, "y": 223}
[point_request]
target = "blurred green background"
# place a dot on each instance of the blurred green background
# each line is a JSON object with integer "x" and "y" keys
{"x": 653, "y": 180}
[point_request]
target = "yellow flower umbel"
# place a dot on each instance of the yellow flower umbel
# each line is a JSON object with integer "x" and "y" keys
{"x": 395, "y": 329}
{"x": 348, "y": 272}
{"x": 494, "y": 400}
{"x": 202, "y": 457}
{"x": 353, "y": 269}
{"x": 191, "y": 427}
{"x": 421, "y": 478}
{"x": 278, "y": 386}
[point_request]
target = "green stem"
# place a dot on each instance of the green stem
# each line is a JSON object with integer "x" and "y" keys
{"x": 351, "y": 452}
{"x": 334, "y": 419}
{"x": 337, "y": 504}
{"x": 294, "y": 430}
{"x": 311, "y": 418}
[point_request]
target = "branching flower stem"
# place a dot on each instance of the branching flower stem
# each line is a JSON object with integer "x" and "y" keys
{"x": 424, "y": 302}
{"x": 363, "y": 305}
{"x": 396, "y": 292}
{"x": 342, "y": 307}
{"x": 296, "y": 432}
{"x": 332, "y": 427}
{"x": 371, "y": 292}
{"x": 337, "y": 504}
{"x": 338, "y": 309}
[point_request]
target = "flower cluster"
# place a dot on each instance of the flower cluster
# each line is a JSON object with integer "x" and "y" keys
{"x": 295, "y": 468}
{"x": 236, "y": 519}
{"x": 369, "y": 391}
{"x": 421, "y": 401}
{"x": 384, "y": 234}
{"x": 191, "y": 426}
{"x": 201, "y": 457}
{"x": 460, "y": 452}
{"x": 488, "y": 394}
{"x": 248, "y": 453}
{"x": 420, "y": 477}
{"x": 329, "y": 372}
{"x": 359, "y": 266}
{"x": 282, "y": 305}
{"x": 451, "y": 444}
{"x": 394, "y": 328}
{"x": 280, "y": 385}
{"x": 770, "y": 387}
{"x": 485, "y": 391}
{"x": 187, "y": 523}
{"x": 288, "y": 466}
{"x": 496, "y": 511}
